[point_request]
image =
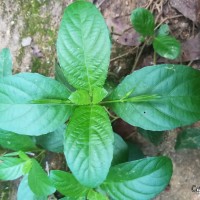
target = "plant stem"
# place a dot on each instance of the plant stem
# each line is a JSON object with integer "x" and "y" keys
{"x": 138, "y": 57}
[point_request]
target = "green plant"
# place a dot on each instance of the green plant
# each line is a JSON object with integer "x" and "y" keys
{"x": 163, "y": 44}
{"x": 154, "y": 98}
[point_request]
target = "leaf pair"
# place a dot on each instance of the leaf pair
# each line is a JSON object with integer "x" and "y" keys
{"x": 123, "y": 181}
{"x": 12, "y": 168}
{"x": 166, "y": 46}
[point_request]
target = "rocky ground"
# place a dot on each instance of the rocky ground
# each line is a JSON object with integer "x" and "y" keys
{"x": 29, "y": 29}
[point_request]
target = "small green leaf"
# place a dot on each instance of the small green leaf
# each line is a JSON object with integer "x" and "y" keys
{"x": 143, "y": 21}
{"x": 98, "y": 94}
{"x": 167, "y": 46}
{"x": 24, "y": 192}
{"x": 11, "y": 168}
{"x": 89, "y": 145}
{"x": 120, "y": 153}
{"x": 19, "y": 114}
{"x": 67, "y": 185}
{"x": 188, "y": 139}
{"x": 80, "y": 97}
{"x": 174, "y": 101}
{"x": 53, "y": 141}
{"x": 142, "y": 179}
{"x": 16, "y": 142}
{"x": 27, "y": 166}
{"x": 156, "y": 137}
{"x": 5, "y": 63}
{"x": 163, "y": 30}
{"x": 38, "y": 181}
{"x": 92, "y": 195}
{"x": 83, "y": 46}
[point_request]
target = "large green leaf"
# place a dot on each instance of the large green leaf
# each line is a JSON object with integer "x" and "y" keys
{"x": 11, "y": 168}
{"x": 83, "y": 46}
{"x": 24, "y": 192}
{"x": 5, "y": 63}
{"x": 19, "y": 114}
{"x": 53, "y": 141}
{"x": 159, "y": 97}
{"x": 66, "y": 184}
{"x": 138, "y": 180}
{"x": 167, "y": 46}
{"x": 38, "y": 181}
{"x": 16, "y": 142}
{"x": 120, "y": 153}
{"x": 143, "y": 21}
{"x": 89, "y": 145}
{"x": 188, "y": 139}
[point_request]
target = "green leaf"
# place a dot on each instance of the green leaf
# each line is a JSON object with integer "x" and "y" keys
{"x": 143, "y": 21}
{"x": 142, "y": 179}
{"x": 11, "y": 168}
{"x": 16, "y": 142}
{"x": 98, "y": 94}
{"x": 188, "y": 139}
{"x": 89, "y": 145}
{"x": 27, "y": 166}
{"x": 163, "y": 30}
{"x": 83, "y": 46}
{"x": 67, "y": 185}
{"x": 167, "y": 46}
{"x": 19, "y": 114}
{"x": 120, "y": 153}
{"x": 24, "y": 192}
{"x": 38, "y": 181}
{"x": 155, "y": 137}
{"x": 5, "y": 63}
{"x": 92, "y": 195}
{"x": 53, "y": 141}
{"x": 134, "y": 152}
{"x": 80, "y": 97}
{"x": 174, "y": 102}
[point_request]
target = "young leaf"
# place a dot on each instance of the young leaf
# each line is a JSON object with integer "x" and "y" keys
{"x": 83, "y": 46}
{"x": 38, "y": 181}
{"x": 89, "y": 145}
{"x": 16, "y": 142}
{"x": 120, "y": 153}
{"x": 24, "y": 192}
{"x": 19, "y": 114}
{"x": 167, "y": 46}
{"x": 168, "y": 100}
{"x": 11, "y": 168}
{"x": 5, "y": 63}
{"x": 92, "y": 195}
{"x": 53, "y": 141}
{"x": 98, "y": 94}
{"x": 143, "y": 21}
{"x": 141, "y": 179}
{"x": 188, "y": 139}
{"x": 156, "y": 137}
{"x": 163, "y": 30}
{"x": 67, "y": 185}
{"x": 80, "y": 97}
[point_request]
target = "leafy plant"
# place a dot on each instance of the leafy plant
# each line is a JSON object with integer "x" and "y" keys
{"x": 163, "y": 44}
{"x": 154, "y": 98}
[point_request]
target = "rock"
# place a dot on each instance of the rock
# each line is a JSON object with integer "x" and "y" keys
{"x": 26, "y": 41}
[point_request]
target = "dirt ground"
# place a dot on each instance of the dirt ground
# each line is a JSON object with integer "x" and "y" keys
{"x": 29, "y": 29}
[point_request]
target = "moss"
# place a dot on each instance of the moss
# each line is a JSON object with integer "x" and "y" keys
{"x": 38, "y": 26}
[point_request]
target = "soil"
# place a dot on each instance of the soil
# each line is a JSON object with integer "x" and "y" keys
{"x": 39, "y": 20}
